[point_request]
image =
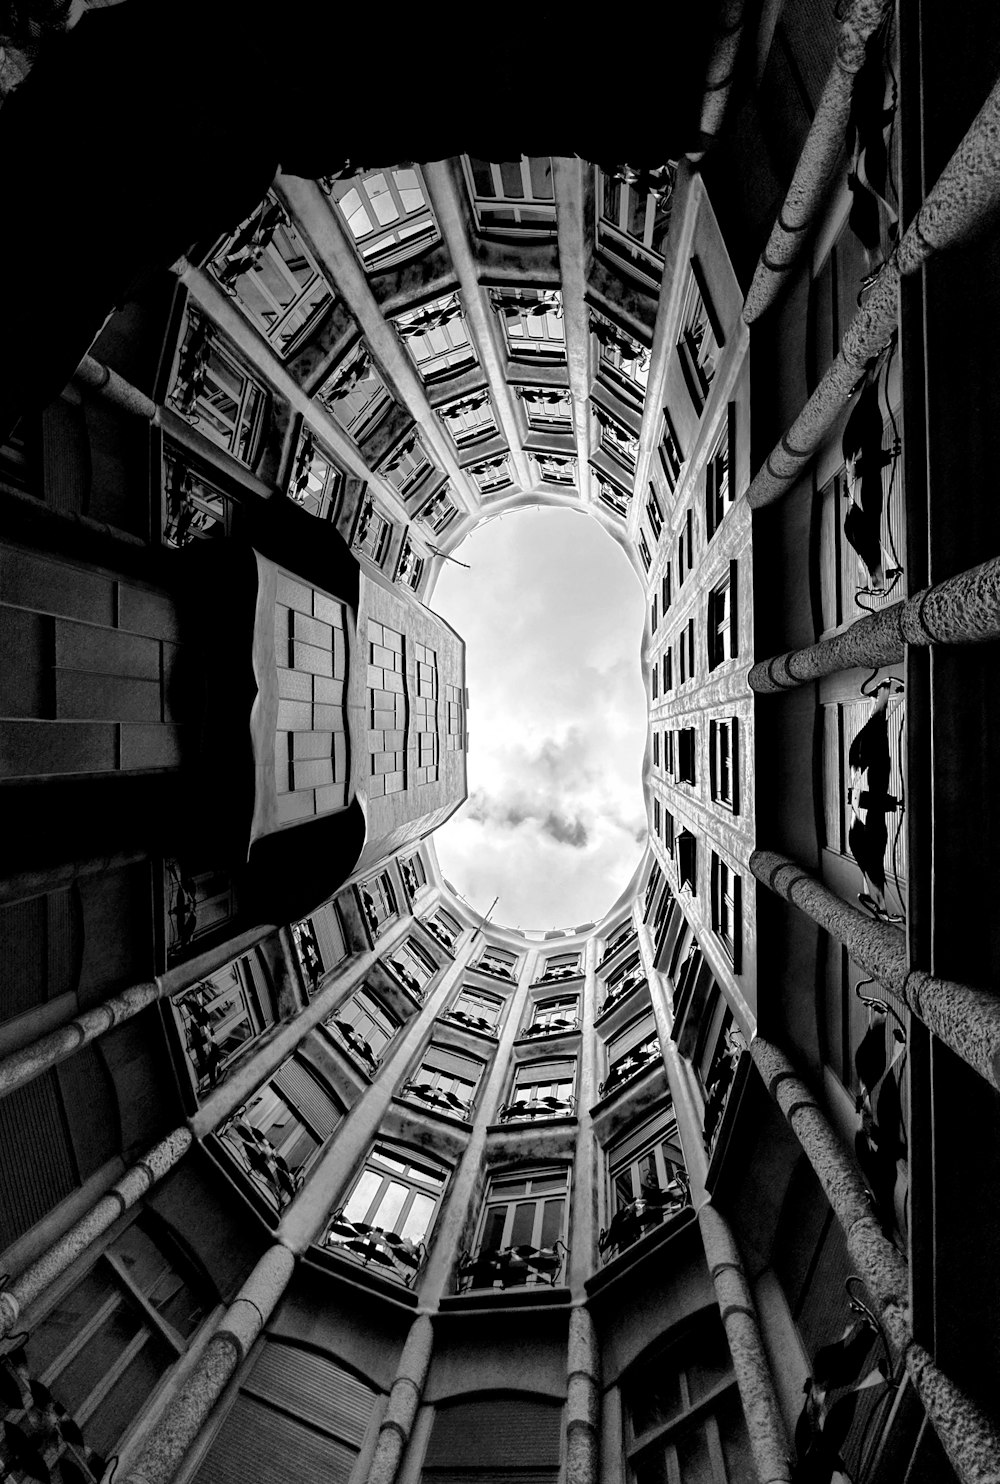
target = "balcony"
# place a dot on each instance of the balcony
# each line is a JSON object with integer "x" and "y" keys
{"x": 495, "y": 971}
{"x": 370, "y": 912}
{"x": 409, "y": 875}
{"x": 719, "y": 1084}
{"x": 434, "y": 1097}
{"x": 628, "y": 937}
{"x": 257, "y": 1158}
{"x": 547, "y": 1107}
{"x": 437, "y": 931}
{"x": 355, "y": 1044}
{"x": 654, "y": 1207}
{"x": 558, "y": 1025}
{"x": 473, "y": 1022}
{"x": 308, "y": 953}
{"x": 387, "y": 1252}
{"x": 553, "y": 976}
{"x": 621, "y": 991}
{"x": 627, "y": 1067}
{"x": 409, "y": 981}
{"x": 511, "y": 1267}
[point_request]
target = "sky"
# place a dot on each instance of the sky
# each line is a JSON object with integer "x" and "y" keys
{"x": 552, "y": 617}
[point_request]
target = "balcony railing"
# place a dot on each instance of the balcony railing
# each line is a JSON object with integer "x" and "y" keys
{"x": 553, "y": 1027}
{"x": 496, "y": 971}
{"x": 552, "y": 976}
{"x": 622, "y": 991}
{"x": 474, "y": 1022}
{"x": 354, "y": 1042}
{"x": 629, "y": 936}
{"x": 444, "y": 1102}
{"x": 633, "y": 1221}
{"x": 627, "y": 1067}
{"x": 548, "y": 1107}
{"x": 368, "y": 908}
{"x": 437, "y": 931}
{"x": 511, "y": 1267}
{"x": 257, "y": 1157}
{"x": 409, "y": 876}
{"x": 307, "y": 951}
{"x": 719, "y": 1084}
{"x": 409, "y": 981}
{"x": 387, "y": 1252}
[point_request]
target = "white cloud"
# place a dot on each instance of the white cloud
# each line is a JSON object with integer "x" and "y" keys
{"x": 552, "y": 616}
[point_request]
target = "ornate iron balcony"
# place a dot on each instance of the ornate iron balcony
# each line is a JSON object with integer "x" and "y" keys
{"x": 355, "y": 1043}
{"x": 406, "y": 979}
{"x": 256, "y": 1155}
{"x": 445, "y": 1102}
{"x": 475, "y": 1022}
{"x": 653, "y": 1207}
{"x": 719, "y": 1084}
{"x": 548, "y": 1107}
{"x": 631, "y": 1065}
{"x": 511, "y": 1267}
{"x": 553, "y": 1027}
{"x": 497, "y": 971}
{"x": 435, "y": 929}
{"x": 554, "y": 975}
{"x": 631, "y": 936}
{"x": 622, "y": 991}
{"x": 389, "y": 1253}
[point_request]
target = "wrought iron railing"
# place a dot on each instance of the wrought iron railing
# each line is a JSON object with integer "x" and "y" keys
{"x": 307, "y": 951}
{"x": 437, "y": 931}
{"x": 547, "y": 1107}
{"x": 653, "y": 1207}
{"x": 385, "y": 1252}
{"x": 474, "y": 1022}
{"x": 627, "y": 1067}
{"x": 40, "y": 1439}
{"x": 496, "y": 971}
{"x": 354, "y": 1042}
{"x": 553, "y": 976}
{"x": 719, "y": 1084}
{"x": 511, "y": 1267}
{"x": 409, "y": 981}
{"x": 257, "y": 1157}
{"x": 629, "y": 936}
{"x": 434, "y": 1097}
{"x": 558, "y": 1024}
{"x": 621, "y": 991}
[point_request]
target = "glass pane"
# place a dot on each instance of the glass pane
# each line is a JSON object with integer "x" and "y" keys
{"x": 418, "y": 1218}
{"x": 552, "y": 1221}
{"x": 735, "y": 1443}
{"x": 390, "y": 1206}
{"x": 654, "y": 1400}
{"x": 524, "y": 1221}
{"x": 493, "y": 1230}
{"x": 84, "y": 1373}
{"x": 364, "y": 1193}
{"x": 541, "y": 176}
{"x": 60, "y": 1326}
{"x": 510, "y": 174}
{"x": 482, "y": 177}
{"x": 694, "y": 1459}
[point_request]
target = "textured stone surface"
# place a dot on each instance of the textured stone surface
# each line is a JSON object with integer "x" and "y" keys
{"x": 582, "y": 1402}
{"x": 970, "y": 1440}
{"x": 23, "y": 1065}
{"x": 721, "y": 70}
{"x": 404, "y": 1399}
{"x": 114, "y": 388}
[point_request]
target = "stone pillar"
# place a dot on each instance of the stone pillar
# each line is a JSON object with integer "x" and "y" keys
{"x": 30, "y": 1061}
{"x": 404, "y": 1399}
{"x": 961, "y": 205}
{"x": 114, "y": 388}
{"x": 968, "y": 1437}
{"x": 820, "y": 157}
{"x": 144, "y": 1174}
{"x": 721, "y": 71}
{"x": 962, "y": 610}
{"x": 178, "y": 1428}
{"x": 582, "y": 1399}
{"x": 964, "y": 1018}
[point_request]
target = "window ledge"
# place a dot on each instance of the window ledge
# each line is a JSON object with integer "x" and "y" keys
{"x": 438, "y": 1115}
{"x": 532, "y": 1295}
{"x": 343, "y": 1271}
{"x": 636, "y": 1256}
{"x": 525, "y": 1125}
{"x": 547, "y": 1040}
{"x": 629, "y": 1085}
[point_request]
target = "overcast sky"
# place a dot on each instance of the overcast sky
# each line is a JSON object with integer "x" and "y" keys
{"x": 552, "y": 616}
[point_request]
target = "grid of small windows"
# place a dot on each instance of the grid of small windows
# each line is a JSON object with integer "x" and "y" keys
{"x": 532, "y": 321}
{"x": 425, "y": 712}
{"x": 699, "y": 343}
{"x": 387, "y": 737}
{"x": 437, "y": 338}
{"x": 513, "y": 195}
{"x": 264, "y": 266}
{"x": 387, "y": 214}
{"x": 455, "y": 703}
{"x": 355, "y": 394}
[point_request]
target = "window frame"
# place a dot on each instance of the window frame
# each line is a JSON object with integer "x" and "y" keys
{"x": 727, "y": 909}
{"x": 395, "y": 248}
{"x": 724, "y": 762}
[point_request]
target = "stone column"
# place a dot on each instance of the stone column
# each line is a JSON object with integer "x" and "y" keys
{"x": 404, "y": 1399}
{"x": 962, "y": 610}
{"x": 582, "y": 1399}
{"x": 962, "y": 205}
{"x": 114, "y": 388}
{"x": 29, "y": 1285}
{"x": 721, "y": 71}
{"x": 30, "y": 1061}
{"x": 964, "y": 1018}
{"x": 179, "y": 1427}
{"x": 969, "y": 1438}
{"x": 821, "y": 154}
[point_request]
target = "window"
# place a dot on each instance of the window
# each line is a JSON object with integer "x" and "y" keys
{"x": 213, "y": 391}
{"x": 654, "y": 615}
{"x": 648, "y": 1182}
{"x": 557, "y": 1013}
{"x": 492, "y": 475}
{"x": 277, "y": 1133}
{"x": 682, "y": 1414}
{"x": 407, "y": 465}
{"x": 669, "y": 451}
{"x": 446, "y": 1080}
{"x": 387, "y": 710}
{"x": 723, "y": 744}
{"x": 425, "y": 713}
{"x": 630, "y": 1052}
{"x": 521, "y": 1231}
{"x": 387, "y": 214}
{"x": 541, "y": 1090}
{"x": 512, "y": 196}
{"x": 194, "y": 506}
{"x": 197, "y": 905}
{"x": 437, "y": 338}
{"x": 315, "y": 482}
{"x": 266, "y": 268}
{"x": 499, "y": 961}
{"x": 560, "y": 966}
{"x": 477, "y": 1008}
{"x": 319, "y": 944}
{"x": 617, "y": 439}
{"x": 685, "y": 649}
{"x": 414, "y": 966}
{"x": 622, "y": 361}
{"x": 700, "y": 339}
{"x": 470, "y": 419}
{"x": 396, "y": 1195}
{"x": 444, "y": 928}
{"x": 666, "y": 589}
{"x": 654, "y": 513}
{"x": 512, "y": 1437}
{"x": 355, "y": 394}
{"x": 656, "y": 816}
{"x": 654, "y": 680}
{"x": 668, "y": 831}
{"x": 438, "y": 513}
{"x": 378, "y": 901}
{"x": 718, "y": 484}
{"x": 372, "y": 532}
{"x": 686, "y": 755}
{"x": 105, "y": 1345}
{"x": 723, "y": 640}
{"x": 615, "y": 498}
{"x": 455, "y": 701}
{"x": 669, "y": 754}
{"x": 644, "y": 550}
{"x": 220, "y": 1016}
{"x": 549, "y": 409}
{"x": 727, "y": 923}
{"x": 668, "y": 671}
{"x": 656, "y": 749}
{"x": 555, "y": 468}
{"x": 364, "y": 1026}
{"x": 414, "y": 874}
{"x": 634, "y": 217}
{"x": 687, "y": 860}
{"x": 532, "y": 321}
{"x": 409, "y": 566}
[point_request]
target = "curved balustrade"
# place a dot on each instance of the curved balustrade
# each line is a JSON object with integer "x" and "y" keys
{"x": 633, "y": 1221}
{"x": 511, "y": 1267}
{"x": 553, "y": 1027}
{"x": 445, "y": 1102}
{"x": 256, "y": 1155}
{"x": 547, "y": 1107}
{"x": 630, "y": 1066}
{"x": 387, "y": 1252}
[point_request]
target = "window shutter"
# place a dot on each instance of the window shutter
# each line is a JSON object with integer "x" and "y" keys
{"x": 31, "y": 1119}
{"x": 516, "y": 1437}
{"x": 308, "y": 1098}
{"x": 328, "y": 935}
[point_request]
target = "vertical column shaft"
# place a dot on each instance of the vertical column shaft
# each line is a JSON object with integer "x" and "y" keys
{"x": 404, "y": 1399}
{"x": 582, "y": 1399}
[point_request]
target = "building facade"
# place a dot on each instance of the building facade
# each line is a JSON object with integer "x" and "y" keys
{"x": 309, "y": 1169}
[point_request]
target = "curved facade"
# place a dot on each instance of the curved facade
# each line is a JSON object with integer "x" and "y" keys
{"x": 310, "y": 1170}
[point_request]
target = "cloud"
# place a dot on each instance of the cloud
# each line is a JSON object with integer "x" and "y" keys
{"x": 566, "y": 831}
